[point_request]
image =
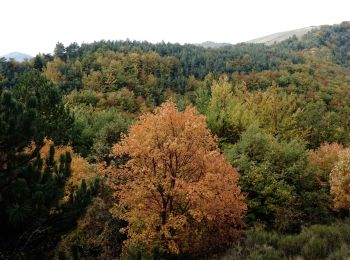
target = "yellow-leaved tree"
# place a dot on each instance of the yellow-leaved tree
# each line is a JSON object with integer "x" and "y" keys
{"x": 176, "y": 190}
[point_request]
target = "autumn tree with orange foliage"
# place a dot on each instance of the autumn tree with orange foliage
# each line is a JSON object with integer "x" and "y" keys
{"x": 324, "y": 159}
{"x": 176, "y": 191}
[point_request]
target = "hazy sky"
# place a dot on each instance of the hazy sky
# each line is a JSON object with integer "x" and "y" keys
{"x": 33, "y": 26}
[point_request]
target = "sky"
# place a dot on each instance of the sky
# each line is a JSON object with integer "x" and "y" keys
{"x": 33, "y": 26}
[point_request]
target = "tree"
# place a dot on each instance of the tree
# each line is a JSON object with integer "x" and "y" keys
{"x": 16, "y": 129}
{"x": 324, "y": 159}
{"x": 277, "y": 112}
{"x": 72, "y": 50}
{"x": 282, "y": 191}
{"x": 227, "y": 114}
{"x": 60, "y": 51}
{"x": 340, "y": 181}
{"x": 54, "y": 69}
{"x": 32, "y": 184}
{"x": 97, "y": 233}
{"x": 176, "y": 190}
{"x": 38, "y": 62}
{"x": 53, "y": 119}
{"x": 79, "y": 168}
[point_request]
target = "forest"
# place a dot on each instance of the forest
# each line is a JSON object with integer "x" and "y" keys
{"x": 135, "y": 150}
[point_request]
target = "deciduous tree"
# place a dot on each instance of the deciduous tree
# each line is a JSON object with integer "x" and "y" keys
{"x": 176, "y": 190}
{"x": 340, "y": 181}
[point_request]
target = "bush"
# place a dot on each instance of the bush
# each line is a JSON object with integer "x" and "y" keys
{"x": 340, "y": 254}
{"x": 314, "y": 242}
{"x": 291, "y": 245}
{"x": 345, "y": 233}
{"x": 96, "y": 235}
{"x": 256, "y": 238}
{"x": 265, "y": 253}
{"x": 315, "y": 249}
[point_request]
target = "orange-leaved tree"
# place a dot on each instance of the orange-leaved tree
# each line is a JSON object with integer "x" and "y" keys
{"x": 324, "y": 159}
{"x": 176, "y": 190}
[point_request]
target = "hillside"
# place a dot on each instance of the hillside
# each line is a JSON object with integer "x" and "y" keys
{"x": 127, "y": 149}
{"x": 281, "y": 36}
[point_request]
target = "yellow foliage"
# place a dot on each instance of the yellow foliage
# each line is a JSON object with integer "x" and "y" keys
{"x": 340, "y": 181}
{"x": 53, "y": 71}
{"x": 80, "y": 168}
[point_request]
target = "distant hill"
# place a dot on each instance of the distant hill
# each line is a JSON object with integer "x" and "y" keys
{"x": 214, "y": 45}
{"x": 268, "y": 40}
{"x": 281, "y": 36}
{"x": 17, "y": 56}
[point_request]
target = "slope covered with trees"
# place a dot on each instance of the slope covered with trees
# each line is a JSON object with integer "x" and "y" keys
{"x": 140, "y": 150}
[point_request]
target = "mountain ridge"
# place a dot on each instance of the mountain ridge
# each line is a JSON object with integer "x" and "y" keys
{"x": 214, "y": 45}
{"x": 17, "y": 56}
{"x": 281, "y": 36}
{"x": 267, "y": 39}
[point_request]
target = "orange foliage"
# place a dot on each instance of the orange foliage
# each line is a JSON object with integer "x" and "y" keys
{"x": 177, "y": 192}
{"x": 324, "y": 159}
{"x": 81, "y": 169}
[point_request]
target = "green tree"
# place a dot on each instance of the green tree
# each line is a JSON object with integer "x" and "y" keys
{"x": 227, "y": 114}
{"x": 60, "y": 51}
{"x": 277, "y": 112}
{"x": 282, "y": 191}
{"x": 53, "y": 120}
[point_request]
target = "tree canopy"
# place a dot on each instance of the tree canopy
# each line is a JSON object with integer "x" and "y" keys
{"x": 176, "y": 187}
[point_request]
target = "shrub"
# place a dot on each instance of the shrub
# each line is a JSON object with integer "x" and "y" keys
{"x": 315, "y": 249}
{"x": 265, "y": 253}
{"x": 256, "y": 238}
{"x": 291, "y": 245}
{"x": 340, "y": 254}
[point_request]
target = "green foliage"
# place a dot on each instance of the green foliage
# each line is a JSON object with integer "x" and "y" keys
{"x": 203, "y": 94}
{"x": 277, "y": 113}
{"x": 100, "y": 129}
{"x": 11, "y": 71}
{"x": 33, "y": 109}
{"x": 16, "y": 127}
{"x": 264, "y": 253}
{"x": 52, "y": 118}
{"x": 314, "y": 242}
{"x": 339, "y": 254}
{"x": 291, "y": 245}
{"x": 277, "y": 180}
{"x": 227, "y": 115}
{"x": 258, "y": 237}
{"x": 31, "y": 189}
{"x": 267, "y": 105}
{"x": 317, "y": 99}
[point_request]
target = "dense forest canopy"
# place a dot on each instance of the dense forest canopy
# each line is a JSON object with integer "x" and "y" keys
{"x": 141, "y": 150}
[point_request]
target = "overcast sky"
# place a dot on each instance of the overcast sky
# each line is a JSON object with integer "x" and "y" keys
{"x": 33, "y": 26}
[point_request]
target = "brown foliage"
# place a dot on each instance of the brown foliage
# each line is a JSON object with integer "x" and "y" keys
{"x": 96, "y": 233}
{"x": 340, "y": 181}
{"x": 324, "y": 159}
{"x": 176, "y": 191}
